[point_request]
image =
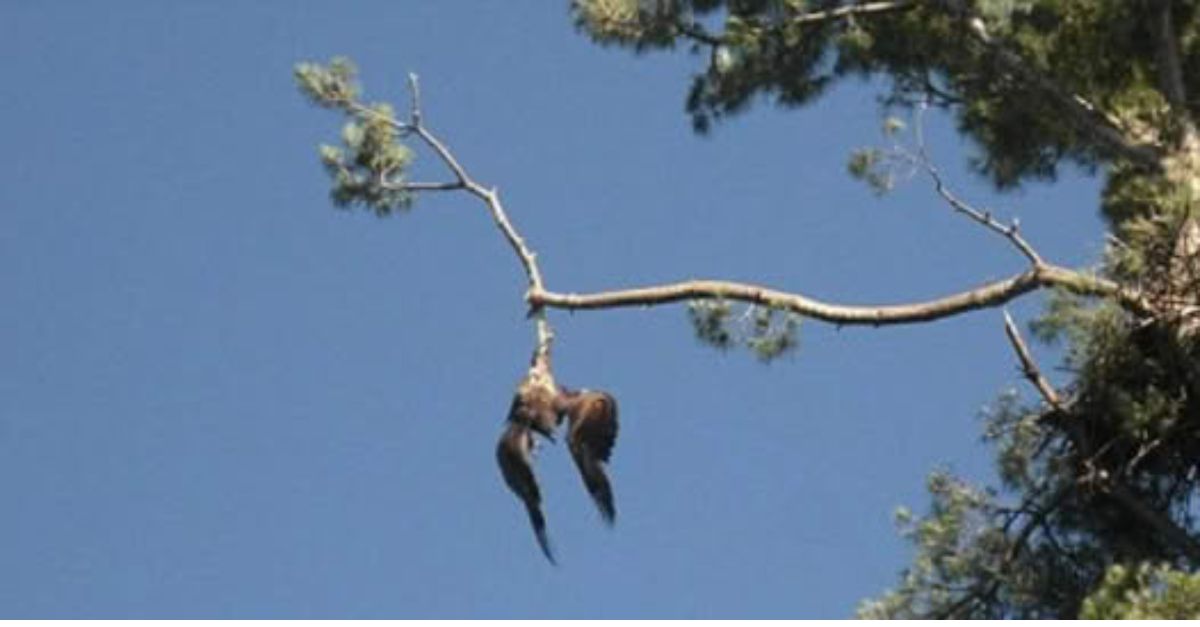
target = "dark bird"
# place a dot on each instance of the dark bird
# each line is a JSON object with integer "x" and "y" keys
{"x": 591, "y": 433}
{"x": 534, "y": 405}
{"x": 514, "y": 452}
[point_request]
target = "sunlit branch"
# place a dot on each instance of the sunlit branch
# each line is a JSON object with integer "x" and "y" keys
{"x": 1028, "y": 366}
{"x": 1040, "y": 275}
{"x": 988, "y": 295}
{"x": 851, "y": 10}
{"x": 489, "y": 196}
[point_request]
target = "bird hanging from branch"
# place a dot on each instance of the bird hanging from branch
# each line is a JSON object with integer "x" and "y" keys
{"x": 539, "y": 406}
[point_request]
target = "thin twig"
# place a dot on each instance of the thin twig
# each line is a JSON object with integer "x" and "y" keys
{"x": 489, "y": 196}
{"x": 414, "y": 92}
{"x": 697, "y": 33}
{"x": 1008, "y": 231}
{"x": 420, "y": 186}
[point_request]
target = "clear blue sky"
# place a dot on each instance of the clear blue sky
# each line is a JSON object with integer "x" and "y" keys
{"x": 220, "y": 397}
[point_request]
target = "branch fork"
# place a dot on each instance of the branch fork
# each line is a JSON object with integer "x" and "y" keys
{"x": 1040, "y": 273}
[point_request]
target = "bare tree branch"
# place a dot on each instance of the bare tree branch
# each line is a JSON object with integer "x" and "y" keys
{"x": 988, "y": 295}
{"x": 489, "y": 196}
{"x": 1040, "y": 275}
{"x": 1009, "y": 231}
{"x": 852, "y": 10}
{"x": 418, "y": 186}
{"x": 1028, "y": 366}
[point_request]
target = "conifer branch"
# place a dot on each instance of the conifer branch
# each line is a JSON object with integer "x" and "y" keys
{"x": 1102, "y": 126}
{"x": 1039, "y": 275}
{"x": 1106, "y": 129}
{"x": 489, "y": 196}
{"x": 698, "y": 34}
{"x": 1035, "y": 517}
{"x": 1160, "y": 522}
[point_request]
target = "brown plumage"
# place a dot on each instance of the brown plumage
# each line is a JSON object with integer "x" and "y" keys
{"x": 591, "y": 434}
{"x": 533, "y": 405}
{"x": 514, "y": 453}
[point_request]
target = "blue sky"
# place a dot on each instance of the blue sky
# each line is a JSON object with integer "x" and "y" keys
{"x": 221, "y": 397}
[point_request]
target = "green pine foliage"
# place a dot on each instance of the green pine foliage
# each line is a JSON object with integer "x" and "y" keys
{"x": 1145, "y": 592}
{"x": 368, "y": 168}
{"x": 768, "y": 332}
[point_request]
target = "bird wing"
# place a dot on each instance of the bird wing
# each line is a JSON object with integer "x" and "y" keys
{"x": 591, "y": 436}
{"x": 514, "y": 453}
